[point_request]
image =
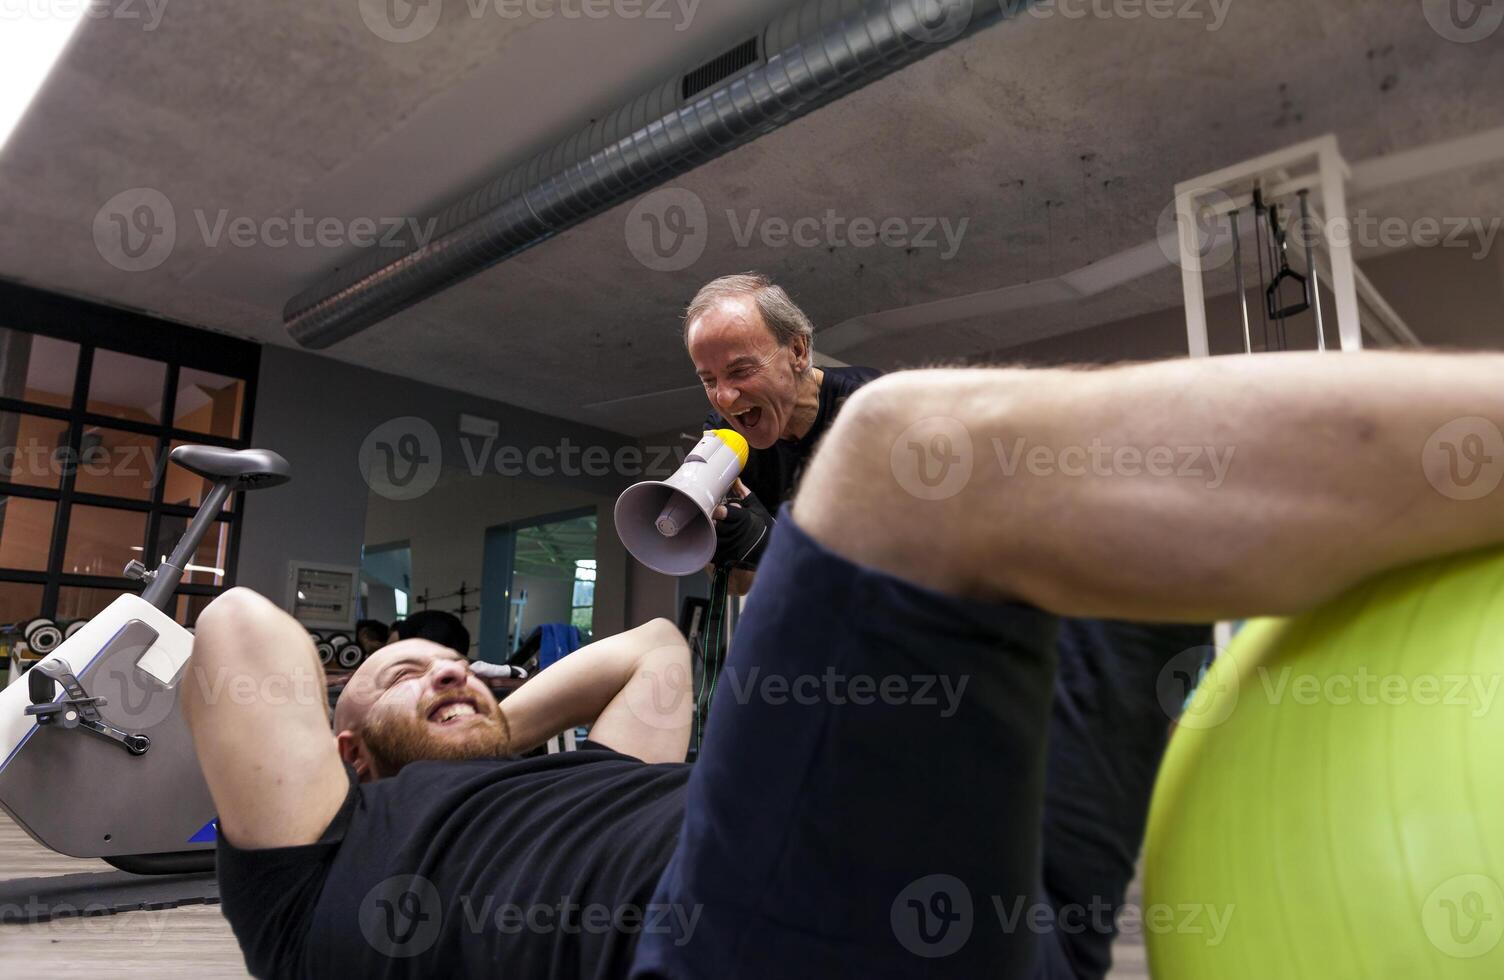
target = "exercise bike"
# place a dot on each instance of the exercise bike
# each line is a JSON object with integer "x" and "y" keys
{"x": 95, "y": 757}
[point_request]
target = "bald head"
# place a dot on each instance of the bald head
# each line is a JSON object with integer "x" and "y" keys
{"x": 412, "y": 701}
{"x": 381, "y": 671}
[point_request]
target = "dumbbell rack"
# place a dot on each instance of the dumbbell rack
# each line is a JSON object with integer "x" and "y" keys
{"x": 337, "y": 651}
{"x": 30, "y": 642}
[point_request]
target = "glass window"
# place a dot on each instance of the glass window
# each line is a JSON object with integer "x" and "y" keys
{"x": 115, "y": 468}
{"x": 25, "y": 532}
{"x": 116, "y": 463}
{"x": 37, "y": 369}
{"x": 76, "y": 602}
{"x": 208, "y": 403}
{"x": 124, "y": 386}
{"x": 207, "y": 567}
{"x": 29, "y": 449}
{"x": 19, "y": 602}
{"x": 101, "y": 540}
{"x": 581, "y": 613}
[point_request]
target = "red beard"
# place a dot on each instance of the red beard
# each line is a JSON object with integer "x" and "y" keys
{"x": 394, "y": 741}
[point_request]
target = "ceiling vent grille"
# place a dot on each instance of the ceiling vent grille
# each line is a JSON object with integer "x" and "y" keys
{"x": 720, "y": 68}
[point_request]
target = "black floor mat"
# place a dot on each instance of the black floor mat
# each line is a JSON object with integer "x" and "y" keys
{"x": 30, "y": 900}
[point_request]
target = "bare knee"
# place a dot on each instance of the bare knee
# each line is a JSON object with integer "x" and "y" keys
{"x": 849, "y": 492}
{"x": 236, "y": 606}
{"x": 890, "y": 484}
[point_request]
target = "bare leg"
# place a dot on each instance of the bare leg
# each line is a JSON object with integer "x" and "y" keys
{"x": 1181, "y": 491}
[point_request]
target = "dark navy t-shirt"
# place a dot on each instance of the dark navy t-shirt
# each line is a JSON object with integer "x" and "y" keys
{"x": 536, "y": 867}
{"x": 773, "y": 473}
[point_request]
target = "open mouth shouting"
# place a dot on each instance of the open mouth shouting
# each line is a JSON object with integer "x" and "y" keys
{"x": 454, "y": 710}
{"x": 746, "y": 421}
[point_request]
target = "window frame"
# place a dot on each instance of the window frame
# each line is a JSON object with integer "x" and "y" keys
{"x": 94, "y": 327}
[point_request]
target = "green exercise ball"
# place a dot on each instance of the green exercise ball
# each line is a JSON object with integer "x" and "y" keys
{"x": 1333, "y": 797}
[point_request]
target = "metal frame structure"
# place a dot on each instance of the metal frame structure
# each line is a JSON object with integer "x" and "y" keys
{"x": 1313, "y": 168}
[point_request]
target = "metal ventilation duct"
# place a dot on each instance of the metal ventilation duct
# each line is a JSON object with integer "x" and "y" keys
{"x": 815, "y": 53}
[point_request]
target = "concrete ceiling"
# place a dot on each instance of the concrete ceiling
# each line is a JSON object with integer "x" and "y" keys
{"x": 1056, "y": 140}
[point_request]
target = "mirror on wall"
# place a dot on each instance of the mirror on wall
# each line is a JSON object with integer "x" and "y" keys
{"x": 504, "y": 554}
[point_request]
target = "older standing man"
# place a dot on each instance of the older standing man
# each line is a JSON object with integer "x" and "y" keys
{"x": 753, "y": 349}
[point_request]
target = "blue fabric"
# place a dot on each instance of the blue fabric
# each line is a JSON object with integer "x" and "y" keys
{"x": 558, "y": 641}
{"x": 838, "y": 834}
{"x": 991, "y": 835}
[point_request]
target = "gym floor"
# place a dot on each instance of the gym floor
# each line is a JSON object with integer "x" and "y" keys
{"x": 193, "y": 941}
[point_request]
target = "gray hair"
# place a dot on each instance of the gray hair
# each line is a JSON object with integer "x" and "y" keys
{"x": 782, "y": 315}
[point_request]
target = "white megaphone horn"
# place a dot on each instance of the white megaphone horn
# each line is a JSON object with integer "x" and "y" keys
{"x": 666, "y": 524}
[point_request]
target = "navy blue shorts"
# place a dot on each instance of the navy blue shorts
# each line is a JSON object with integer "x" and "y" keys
{"x": 892, "y": 783}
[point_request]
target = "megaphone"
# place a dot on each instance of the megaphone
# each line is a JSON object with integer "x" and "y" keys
{"x": 666, "y": 524}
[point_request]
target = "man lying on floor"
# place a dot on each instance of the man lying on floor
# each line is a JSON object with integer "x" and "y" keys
{"x": 948, "y": 519}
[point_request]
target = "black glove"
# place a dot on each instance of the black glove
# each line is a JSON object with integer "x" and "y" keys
{"x": 742, "y": 535}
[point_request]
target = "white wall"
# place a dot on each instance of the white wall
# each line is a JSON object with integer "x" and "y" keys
{"x": 446, "y": 530}
{"x": 549, "y": 600}
{"x": 317, "y": 412}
